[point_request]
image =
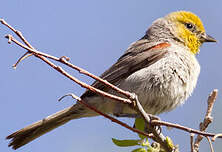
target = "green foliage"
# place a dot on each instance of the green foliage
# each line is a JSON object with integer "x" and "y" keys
{"x": 169, "y": 142}
{"x": 139, "y": 150}
{"x": 125, "y": 143}
{"x": 142, "y": 141}
{"x": 140, "y": 124}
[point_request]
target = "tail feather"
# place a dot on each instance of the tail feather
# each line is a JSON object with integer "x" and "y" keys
{"x": 35, "y": 130}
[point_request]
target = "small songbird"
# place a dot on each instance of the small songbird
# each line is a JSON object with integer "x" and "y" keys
{"x": 160, "y": 68}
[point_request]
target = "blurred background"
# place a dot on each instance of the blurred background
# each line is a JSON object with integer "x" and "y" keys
{"x": 94, "y": 34}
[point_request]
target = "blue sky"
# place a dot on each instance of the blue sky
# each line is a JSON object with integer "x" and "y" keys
{"x": 93, "y": 34}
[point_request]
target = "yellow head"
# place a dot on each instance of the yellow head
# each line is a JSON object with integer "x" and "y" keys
{"x": 189, "y": 29}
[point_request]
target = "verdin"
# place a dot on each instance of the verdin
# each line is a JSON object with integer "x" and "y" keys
{"x": 160, "y": 68}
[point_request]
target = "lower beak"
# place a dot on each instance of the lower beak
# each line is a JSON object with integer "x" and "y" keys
{"x": 208, "y": 38}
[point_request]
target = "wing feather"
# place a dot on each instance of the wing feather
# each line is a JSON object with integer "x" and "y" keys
{"x": 139, "y": 55}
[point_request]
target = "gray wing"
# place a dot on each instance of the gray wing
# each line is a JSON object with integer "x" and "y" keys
{"x": 140, "y": 54}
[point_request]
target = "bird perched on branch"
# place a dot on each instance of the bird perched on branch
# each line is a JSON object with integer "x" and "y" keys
{"x": 160, "y": 68}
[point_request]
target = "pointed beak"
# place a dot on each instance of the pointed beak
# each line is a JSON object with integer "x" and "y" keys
{"x": 207, "y": 38}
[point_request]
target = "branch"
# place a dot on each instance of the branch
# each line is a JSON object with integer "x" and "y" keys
{"x": 207, "y": 119}
{"x": 191, "y": 142}
{"x": 63, "y": 60}
{"x": 159, "y": 136}
{"x": 41, "y": 56}
{"x": 19, "y": 34}
{"x": 211, "y": 145}
{"x": 180, "y": 127}
{"x": 107, "y": 116}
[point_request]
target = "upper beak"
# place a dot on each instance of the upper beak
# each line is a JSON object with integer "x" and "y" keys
{"x": 208, "y": 38}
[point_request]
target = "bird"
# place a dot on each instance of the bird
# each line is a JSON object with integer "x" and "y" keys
{"x": 160, "y": 68}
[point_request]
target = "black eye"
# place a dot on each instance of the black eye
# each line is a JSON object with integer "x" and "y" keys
{"x": 189, "y": 25}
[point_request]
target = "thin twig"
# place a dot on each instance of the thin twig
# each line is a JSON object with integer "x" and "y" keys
{"x": 31, "y": 50}
{"x": 18, "y": 33}
{"x": 82, "y": 71}
{"x": 207, "y": 119}
{"x": 191, "y": 142}
{"x": 180, "y": 127}
{"x": 59, "y": 69}
{"x": 160, "y": 137}
{"x": 61, "y": 60}
{"x": 106, "y": 116}
{"x": 217, "y": 136}
{"x": 211, "y": 145}
{"x": 24, "y": 56}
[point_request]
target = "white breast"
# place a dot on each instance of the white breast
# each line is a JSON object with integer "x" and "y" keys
{"x": 167, "y": 83}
